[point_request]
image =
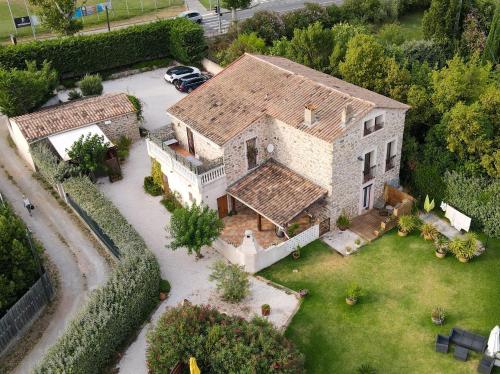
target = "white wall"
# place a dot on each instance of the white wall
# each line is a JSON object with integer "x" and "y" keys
{"x": 21, "y": 143}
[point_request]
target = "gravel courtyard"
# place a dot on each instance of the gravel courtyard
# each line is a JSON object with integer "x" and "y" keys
{"x": 188, "y": 277}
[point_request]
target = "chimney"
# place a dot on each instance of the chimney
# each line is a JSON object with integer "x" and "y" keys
{"x": 310, "y": 114}
{"x": 346, "y": 115}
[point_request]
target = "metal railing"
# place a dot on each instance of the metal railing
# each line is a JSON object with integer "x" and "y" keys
{"x": 369, "y": 173}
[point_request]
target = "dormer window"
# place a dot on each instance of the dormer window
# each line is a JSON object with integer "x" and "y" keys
{"x": 368, "y": 127}
{"x": 373, "y": 124}
{"x": 379, "y": 122}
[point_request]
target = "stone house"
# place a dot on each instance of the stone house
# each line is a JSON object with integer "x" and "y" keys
{"x": 110, "y": 115}
{"x": 282, "y": 140}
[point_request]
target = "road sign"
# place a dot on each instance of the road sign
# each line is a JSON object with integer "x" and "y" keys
{"x": 22, "y": 21}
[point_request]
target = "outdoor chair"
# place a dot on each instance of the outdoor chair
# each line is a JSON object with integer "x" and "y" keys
{"x": 486, "y": 364}
{"x": 461, "y": 353}
{"x": 442, "y": 343}
{"x": 468, "y": 340}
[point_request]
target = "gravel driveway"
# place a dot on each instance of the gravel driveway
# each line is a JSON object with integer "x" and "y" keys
{"x": 188, "y": 277}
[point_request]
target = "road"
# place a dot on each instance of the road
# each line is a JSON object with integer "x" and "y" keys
{"x": 81, "y": 268}
{"x": 211, "y": 23}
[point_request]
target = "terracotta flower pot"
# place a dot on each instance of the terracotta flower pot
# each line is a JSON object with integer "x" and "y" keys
{"x": 350, "y": 301}
{"x": 402, "y": 233}
{"x": 440, "y": 254}
{"x": 296, "y": 255}
{"x": 342, "y": 228}
{"x": 437, "y": 321}
{"x": 265, "y": 311}
{"x": 163, "y": 296}
{"x": 463, "y": 259}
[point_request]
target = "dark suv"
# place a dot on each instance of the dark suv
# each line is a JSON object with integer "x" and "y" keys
{"x": 190, "y": 84}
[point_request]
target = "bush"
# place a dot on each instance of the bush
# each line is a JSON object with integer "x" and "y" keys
{"x": 151, "y": 187}
{"x": 302, "y": 18}
{"x": 77, "y": 55}
{"x": 268, "y": 26}
{"x": 243, "y": 43}
{"x": 476, "y": 197}
{"x": 26, "y": 89}
{"x": 407, "y": 223}
{"x": 156, "y": 173}
{"x": 48, "y": 165}
{"x": 123, "y": 147}
{"x": 231, "y": 280}
{"x": 74, "y": 95}
{"x": 353, "y": 292}
{"x": 430, "y": 51}
{"x": 164, "y": 286}
{"x": 429, "y": 231}
{"x": 91, "y": 85}
{"x": 292, "y": 229}
{"x": 464, "y": 248}
{"x": 115, "y": 310}
{"x": 137, "y": 106}
{"x": 171, "y": 202}
{"x": 220, "y": 343}
{"x": 343, "y": 222}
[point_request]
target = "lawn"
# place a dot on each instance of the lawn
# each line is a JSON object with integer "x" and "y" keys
{"x": 390, "y": 327}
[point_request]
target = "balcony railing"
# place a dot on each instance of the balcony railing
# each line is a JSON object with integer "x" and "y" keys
{"x": 368, "y": 173}
{"x": 390, "y": 162}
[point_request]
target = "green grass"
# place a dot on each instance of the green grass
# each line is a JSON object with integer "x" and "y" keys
{"x": 412, "y": 25}
{"x": 390, "y": 327}
{"x": 136, "y": 9}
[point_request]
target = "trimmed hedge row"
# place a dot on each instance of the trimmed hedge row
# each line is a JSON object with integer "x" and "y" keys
{"x": 117, "y": 309}
{"x": 73, "y": 56}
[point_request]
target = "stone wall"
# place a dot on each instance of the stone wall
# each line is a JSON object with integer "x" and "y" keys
{"x": 126, "y": 125}
{"x": 203, "y": 147}
{"x": 347, "y": 172}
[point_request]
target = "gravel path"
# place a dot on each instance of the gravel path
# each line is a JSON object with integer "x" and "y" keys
{"x": 189, "y": 278}
{"x": 81, "y": 268}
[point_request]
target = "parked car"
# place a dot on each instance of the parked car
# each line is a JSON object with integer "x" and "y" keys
{"x": 190, "y": 84}
{"x": 192, "y": 16}
{"x": 186, "y": 78}
{"x": 178, "y": 72}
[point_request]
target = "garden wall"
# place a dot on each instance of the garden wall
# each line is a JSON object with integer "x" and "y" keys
{"x": 253, "y": 258}
{"x": 75, "y": 56}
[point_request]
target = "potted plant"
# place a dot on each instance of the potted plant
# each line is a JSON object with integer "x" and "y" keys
{"x": 406, "y": 224}
{"x": 296, "y": 253}
{"x": 441, "y": 245}
{"x": 265, "y": 309}
{"x": 353, "y": 292}
{"x": 429, "y": 231}
{"x": 303, "y": 292}
{"x": 357, "y": 242}
{"x": 438, "y": 315}
{"x": 343, "y": 222}
{"x": 463, "y": 248}
{"x": 164, "y": 289}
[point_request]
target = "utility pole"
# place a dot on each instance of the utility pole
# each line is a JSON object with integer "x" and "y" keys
{"x": 219, "y": 13}
{"x": 38, "y": 266}
{"x": 107, "y": 17}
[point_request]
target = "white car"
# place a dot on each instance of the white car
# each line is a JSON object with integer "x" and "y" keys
{"x": 192, "y": 16}
{"x": 178, "y": 72}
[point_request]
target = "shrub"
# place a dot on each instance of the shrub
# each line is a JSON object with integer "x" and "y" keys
{"x": 151, "y": 187}
{"x": 407, "y": 223}
{"x": 430, "y": 51}
{"x": 292, "y": 229}
{"x": 303, "y": 17}
{"x": 48, "y": 165}
{"x": 438, "y": 314}
{"x": 353, "y": 292}
{"x": 171, "y": 202}
{"x": 91, "y": 85}
{"x": 268, "y": 26}
{"x": 74, "y": 95}
{"x": 88, "y": 153}
{"x": 123, "y": 147}
{"x": 115, "y": 310}
{"x": 243, "y": 43}
{"x": 164, "y": 286}
{"x": 429, "y": 231}
{"x": 156, "y": 173}
{"x": 231, "y": 280}
{"x": 391, "y": 34}
{"x": 22, "y": 91}
{"x": 476, "y": 197}
{"x": 441, "y": 244}
{"x": 464, "y": 248}
{"x": 77, "y": 55}
{"x": 366, "y": 369}
{"x": 343, "y": 222}
{"x": 428, "y": 204}
{"x": 220, "y": 343}
{"x": 137, "y": 106}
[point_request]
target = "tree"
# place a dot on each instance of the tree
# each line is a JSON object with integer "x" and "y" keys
{"x": 365, "y": 63}
{"x": 91, "y": 85}
{"x": 459, "y": 81}
{"x": 473, "y": 38}
{"x": 232, "y": 281}
{"x": 303, "y": 17}
{"x": 88, "y": 152}
{"x": 268, "y": 26}
{"x": 22, "y": 91}
{"x": 492, "y": 47}
{"x": 58, "y": 15}
{"x": 18, "y": 269}
{"x": 440, "y": 20}
{"x": 311, "y": 46}
{"x": 243, "y": 43}
{"x": 342, "y": 33}
{"x": 194, "y": 228}
{"x": 235, "y": 4}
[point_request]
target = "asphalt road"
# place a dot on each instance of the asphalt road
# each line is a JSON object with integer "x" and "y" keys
{"x": 211, "y": 22}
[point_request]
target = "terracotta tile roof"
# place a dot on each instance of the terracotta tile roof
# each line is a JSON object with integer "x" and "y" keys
{"x": 254, "y": 86}
{"x": 73, "y": 114}
{"x": 276, "y": 192}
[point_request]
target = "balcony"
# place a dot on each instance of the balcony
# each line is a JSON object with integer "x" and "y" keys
{"x": 390, "y": 163}
{"x": 368, "y": 174}
{"x": 163, "y": 146}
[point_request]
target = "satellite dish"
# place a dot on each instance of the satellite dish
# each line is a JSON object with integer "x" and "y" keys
{"x": 270, "y": 148}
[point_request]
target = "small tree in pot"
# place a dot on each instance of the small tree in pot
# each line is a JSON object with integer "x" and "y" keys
{"x": 429, "y": 231}
{"x": 406, "y": 224}
{"x": 265, "y": 309}
{"x": 353, "y": 293}
{"x": 441, "y": 245}
{"x": 343, "y": 222}
{"x": 464, "y": 248}
{"x": 438, "y": 315}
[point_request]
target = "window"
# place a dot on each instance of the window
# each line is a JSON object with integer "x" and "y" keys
{"x": 368, "y": 169}
{"x": 251, "y": 153}
{"x": 379, "y": 122}
{"x": 368, "y": 127}
{"x": 390, "y": 155}
{"x": 372, "y": 125}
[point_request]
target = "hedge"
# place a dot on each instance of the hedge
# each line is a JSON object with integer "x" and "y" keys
{"x": 477, "y": 197}
{"x": 78, "y": 55}
{"x": 117, "y": 309}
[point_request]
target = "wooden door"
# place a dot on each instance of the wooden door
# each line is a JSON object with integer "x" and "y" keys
{"x": 190, "y": 141}
{"x": 222, "y": 206}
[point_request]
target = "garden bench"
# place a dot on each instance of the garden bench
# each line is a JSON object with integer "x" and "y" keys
{"x": 468, "y": 340}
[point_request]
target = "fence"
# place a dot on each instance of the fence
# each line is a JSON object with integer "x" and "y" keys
{"x": 253, "y": 258}
{"x": 22, "y": 313}
{"x": 105, "y": 239}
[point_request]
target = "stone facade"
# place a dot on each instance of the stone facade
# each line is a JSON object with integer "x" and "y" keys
{"x": 126, "y": 125}
{"x": 203, "y": 147}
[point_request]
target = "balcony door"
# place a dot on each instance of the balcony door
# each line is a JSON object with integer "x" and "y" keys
{"x": 366, "y": 197}
{"x": 190, "y": 141}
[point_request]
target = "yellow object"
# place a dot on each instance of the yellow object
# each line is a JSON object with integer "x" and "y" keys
{"x": 193, "y": 366}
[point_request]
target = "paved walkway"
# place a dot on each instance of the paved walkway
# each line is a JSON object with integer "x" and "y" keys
{"x": 441, "y": 225}
{"x": 188, "y": 277}
{"x": 196, "y": 6}
{"x": 81, "y": 268}
{"x": 344, "y": 242}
